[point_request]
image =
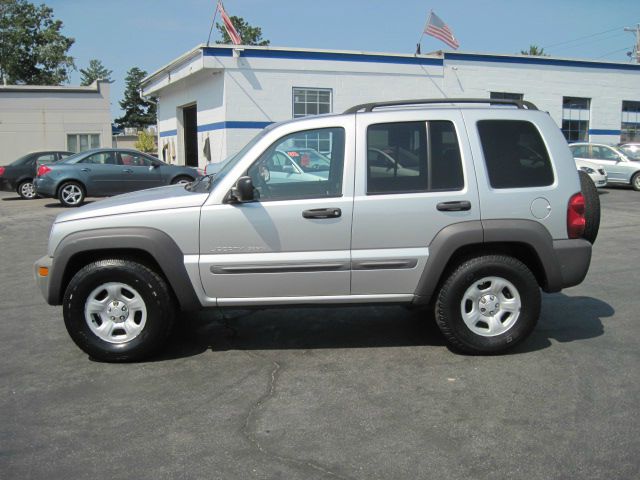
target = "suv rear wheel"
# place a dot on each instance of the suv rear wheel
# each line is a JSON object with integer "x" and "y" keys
{"x": 118, "y": 310}
{"x": 488, "y": 304}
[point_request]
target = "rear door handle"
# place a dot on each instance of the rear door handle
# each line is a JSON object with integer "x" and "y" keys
{"x": 322, "y": 213}
{"x": 85, "y": 169}
{"x": 454, "y": 206}
{"x": 127, "y": 170}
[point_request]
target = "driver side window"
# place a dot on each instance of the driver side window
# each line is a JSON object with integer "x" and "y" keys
{"x": 281, "y": 173}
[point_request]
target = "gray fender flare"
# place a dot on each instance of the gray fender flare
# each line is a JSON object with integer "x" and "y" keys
{"x": 162, "y": 248}
{"x": 529, "y": 233}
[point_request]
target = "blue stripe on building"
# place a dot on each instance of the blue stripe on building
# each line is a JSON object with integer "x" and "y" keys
{"x": 209, "y": 127}
{"x": 597, "y": 131}
{"x": 534, "y": 60}
{"x": 330, "y": 56}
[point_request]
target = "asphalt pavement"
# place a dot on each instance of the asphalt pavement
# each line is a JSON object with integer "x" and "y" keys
{"x": 347, "y": 393}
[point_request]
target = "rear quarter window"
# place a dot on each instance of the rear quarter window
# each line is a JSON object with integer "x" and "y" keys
{"x": 515, "y": 155}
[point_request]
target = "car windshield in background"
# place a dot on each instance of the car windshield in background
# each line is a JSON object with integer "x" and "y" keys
{"x": 632, "y": 152}
{"x": 73, "y": 158}
{"x": 20, "y": 161}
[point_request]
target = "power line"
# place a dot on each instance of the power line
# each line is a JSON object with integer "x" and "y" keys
{"x": 586, "y": 36}
{"x": 614, "y": 51}
{"x": 580, "y": 44}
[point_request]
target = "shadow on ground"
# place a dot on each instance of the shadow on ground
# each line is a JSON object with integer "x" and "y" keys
{"x": 563, "y": 319}
{"x": 61, "y": 207}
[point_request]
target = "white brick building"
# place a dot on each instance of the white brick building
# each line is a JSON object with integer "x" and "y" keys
{"x": 36, "y": 118}
{"x": 226, "y": 96}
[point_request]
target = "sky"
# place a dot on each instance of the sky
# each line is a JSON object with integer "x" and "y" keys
{"x": 150, "y": 33}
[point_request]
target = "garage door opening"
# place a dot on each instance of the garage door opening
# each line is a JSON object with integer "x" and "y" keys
{"x": 190, "y": 123}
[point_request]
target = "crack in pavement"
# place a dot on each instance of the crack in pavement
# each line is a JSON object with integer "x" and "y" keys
{"x": 250, "y": 435}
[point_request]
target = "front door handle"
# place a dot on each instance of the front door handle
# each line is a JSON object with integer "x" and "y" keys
{"x": 322, "y": 213}
{"x": 454, "y": 206}
{"x": 127, "y": 170}
{"x": 85, "y": 169}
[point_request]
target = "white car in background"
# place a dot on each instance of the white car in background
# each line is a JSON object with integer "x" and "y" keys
{"x": 596, "y": 172}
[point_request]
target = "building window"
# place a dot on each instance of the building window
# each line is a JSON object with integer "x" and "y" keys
{"x": 630, "y": 129}
{"x": 311, "y": 101}
{"x": 575, "y": 118}
{"x": 506, "y": 96}
{"x": 80, "y": 142}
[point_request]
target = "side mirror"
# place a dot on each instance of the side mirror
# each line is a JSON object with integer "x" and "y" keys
{"x": 243, "y": 190}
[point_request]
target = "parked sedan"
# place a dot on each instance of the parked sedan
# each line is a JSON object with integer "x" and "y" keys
{"x": 596, "y": 172}
{"x": 631, "y": 150}
{"x": 18, "y": 175}
{"x": 620, "y": 168}
{"x": 104, "y": 172}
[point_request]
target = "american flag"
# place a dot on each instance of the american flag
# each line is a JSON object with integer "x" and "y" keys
{"x": 228, "y": 25}
{"x": 437, "y": 28}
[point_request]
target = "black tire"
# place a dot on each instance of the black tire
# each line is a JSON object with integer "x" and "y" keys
{"x": 635, "y": 182}
{"x": 449, "y": 305}
{"x": 26, "y": 190}
{"x": 181, "y": 179}
{"x": 151, "y": 288}
{"x": 65, "y": 194}
{"x": 591, "y": 207}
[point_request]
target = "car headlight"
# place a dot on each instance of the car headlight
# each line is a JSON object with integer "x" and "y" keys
{"x": 588, "y": 170}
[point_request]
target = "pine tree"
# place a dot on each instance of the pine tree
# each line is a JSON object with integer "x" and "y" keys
{"x": 138, "y": 113}
{"x": 95, "y": 71}
{"x": 250, "y": 35}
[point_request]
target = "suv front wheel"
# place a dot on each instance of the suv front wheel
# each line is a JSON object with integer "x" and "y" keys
{"x": 488, "y": 304}
{"x": 118, "y": 310}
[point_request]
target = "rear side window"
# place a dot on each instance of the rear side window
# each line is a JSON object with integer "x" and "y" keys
{"x": 410, "y": 157}
{"x": 515, "y": 154}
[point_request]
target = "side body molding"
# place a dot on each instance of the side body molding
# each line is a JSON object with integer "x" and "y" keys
{"x": 156, "y": 243}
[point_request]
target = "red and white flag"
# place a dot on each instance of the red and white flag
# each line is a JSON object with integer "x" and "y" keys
{"x": 437, "y": 28}
{"x": 228, "y": 25}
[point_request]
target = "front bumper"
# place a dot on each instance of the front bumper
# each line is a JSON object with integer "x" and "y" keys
{"x": 43, "y": 280}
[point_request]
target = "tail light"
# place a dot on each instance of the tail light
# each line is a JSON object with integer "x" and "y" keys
{"x": 1, "y": 171}
{"x": 43, "y": 170}
{"x": 575, "y": 216}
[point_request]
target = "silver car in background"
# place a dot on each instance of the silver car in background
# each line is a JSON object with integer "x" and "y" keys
{"x": 596, "y": 172}
{"x": 619, "y": 167}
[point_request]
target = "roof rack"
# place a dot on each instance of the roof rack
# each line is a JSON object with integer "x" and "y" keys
{"x": 368, "y": 107}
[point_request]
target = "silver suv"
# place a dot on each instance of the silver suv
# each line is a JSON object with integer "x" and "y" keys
{"x": 470, "y": 210}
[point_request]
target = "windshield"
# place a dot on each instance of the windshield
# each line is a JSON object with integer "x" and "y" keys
{"x": 206, "y": 183}
{"x": 21, "y": 161}
{"x": 631, "y": 151}
{"x": 72, "y": 158}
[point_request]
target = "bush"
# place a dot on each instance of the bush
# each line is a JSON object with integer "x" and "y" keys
{"x": 146, "y": 142}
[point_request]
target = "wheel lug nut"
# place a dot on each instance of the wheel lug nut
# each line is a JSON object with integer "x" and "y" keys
{"x": 483, "y": 309}
{"x": 121, "y": 317}
{"x": 113, "y": 318}
{"x": 124, "y": 309}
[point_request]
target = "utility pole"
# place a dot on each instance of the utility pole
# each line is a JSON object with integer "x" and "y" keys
{"x": 636, "y": 48}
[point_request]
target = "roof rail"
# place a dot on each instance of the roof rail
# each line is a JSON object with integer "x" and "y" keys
{"x": 368, "y": 107}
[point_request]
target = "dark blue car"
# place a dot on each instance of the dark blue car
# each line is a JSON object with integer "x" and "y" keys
{"x": 18, "y": 175}
{"x": 104, "y": 172}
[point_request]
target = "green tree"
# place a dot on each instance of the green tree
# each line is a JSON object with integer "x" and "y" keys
{"x": 33, "y": 50}
{"x": 535, "y": 51}
{"x": 146, "y": 142}
{"x": 95, "y": 71}
{"x": 250, "y": 35}
{"x": 138, "y": 113}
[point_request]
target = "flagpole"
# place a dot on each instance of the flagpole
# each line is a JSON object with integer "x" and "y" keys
{"x": 425, "y": 27}
{"x": 215, "y": 14}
